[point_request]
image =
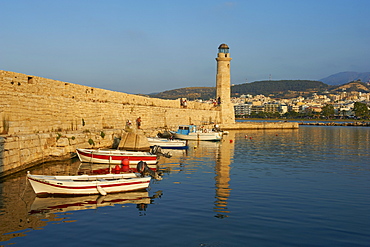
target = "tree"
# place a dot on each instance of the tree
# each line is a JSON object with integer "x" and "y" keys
{"x": 291, "y": 114}
{"x": 361, "y": 110}
{"x": 327, "y": 111}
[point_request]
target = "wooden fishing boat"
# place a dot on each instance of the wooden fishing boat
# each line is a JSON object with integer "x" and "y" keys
{"x": 115, "y": 156}
{"x": 99, "y": 169}
{"x": 167, "y": 143}
{"x": 86, "y": 184}
{"x": 192, "y": 132}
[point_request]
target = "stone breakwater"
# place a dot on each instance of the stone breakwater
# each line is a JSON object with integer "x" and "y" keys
{"x": 43, "y": 119}
{"x": 31, "y": 104}
{"x": 19, "y": 152}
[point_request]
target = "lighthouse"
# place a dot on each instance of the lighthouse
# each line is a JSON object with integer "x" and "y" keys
{"x": 223, "y": 85}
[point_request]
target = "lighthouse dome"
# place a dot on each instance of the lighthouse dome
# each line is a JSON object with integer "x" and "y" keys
{"x": 223, "y": 48}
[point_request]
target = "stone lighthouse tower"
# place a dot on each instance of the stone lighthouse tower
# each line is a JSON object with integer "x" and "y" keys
{"x": 223, "y": 85}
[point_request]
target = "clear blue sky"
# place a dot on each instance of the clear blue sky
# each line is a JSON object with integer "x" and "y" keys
{"x": 157, "y": 45}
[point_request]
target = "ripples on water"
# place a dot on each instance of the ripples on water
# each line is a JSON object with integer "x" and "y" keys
{"x": 306, "y": 187}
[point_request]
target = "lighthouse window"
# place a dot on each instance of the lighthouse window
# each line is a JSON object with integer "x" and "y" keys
{"x": 226, "y": 55}
{"x": 223, "y": 50}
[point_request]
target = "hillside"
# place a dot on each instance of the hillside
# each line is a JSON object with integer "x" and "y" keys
{"x": 345, "y": 77}
{"x": 352, "y": 86}
{"x": 191, "y": 93}
{"x": 277, "y": 88}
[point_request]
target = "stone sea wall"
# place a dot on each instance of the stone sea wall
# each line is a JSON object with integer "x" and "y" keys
{"x": 42, "y": 118}
{"x": 30, "y": 104}
{"x": 19, "y": 152}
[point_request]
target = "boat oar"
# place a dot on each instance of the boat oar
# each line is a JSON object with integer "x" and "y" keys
{"x": 100, "y": 189}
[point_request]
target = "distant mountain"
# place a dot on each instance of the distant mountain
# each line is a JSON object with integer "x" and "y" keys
{"x": 344, "y": 77}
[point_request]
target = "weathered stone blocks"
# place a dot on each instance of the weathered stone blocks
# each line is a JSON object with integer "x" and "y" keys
{"x": 40, "y": 105}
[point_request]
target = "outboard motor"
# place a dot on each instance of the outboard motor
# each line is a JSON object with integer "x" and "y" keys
{"x": 143, "y": 169}
{"x": 158, "y": 151}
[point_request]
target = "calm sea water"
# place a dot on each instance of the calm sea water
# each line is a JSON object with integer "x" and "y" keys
{"x": 306, "y": 187}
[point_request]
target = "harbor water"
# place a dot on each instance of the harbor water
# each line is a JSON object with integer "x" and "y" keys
{"x": 303, "y": 187}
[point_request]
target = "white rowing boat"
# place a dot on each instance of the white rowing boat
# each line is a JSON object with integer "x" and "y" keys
{"x": 87, "y": 184}
{"x": 167, "y": 143}
{"x": 114, "y": 156}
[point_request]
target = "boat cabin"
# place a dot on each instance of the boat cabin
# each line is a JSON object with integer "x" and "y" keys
{"x": 186, "y": 129}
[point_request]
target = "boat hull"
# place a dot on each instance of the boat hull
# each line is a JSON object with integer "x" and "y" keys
{"x": 112, "y": 156}
{"x": 167, "y": 144}
{"x": 96, "y": 168}
{"x": 211, "y": 136}
{"x": 86, "y": 185}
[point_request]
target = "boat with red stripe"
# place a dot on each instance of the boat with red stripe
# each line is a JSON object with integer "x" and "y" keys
{"x": 87, "y": 184}
{"x": 115, "y": 156}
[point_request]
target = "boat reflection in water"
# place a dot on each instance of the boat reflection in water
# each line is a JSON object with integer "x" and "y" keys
{"x": 45, "y": 205}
